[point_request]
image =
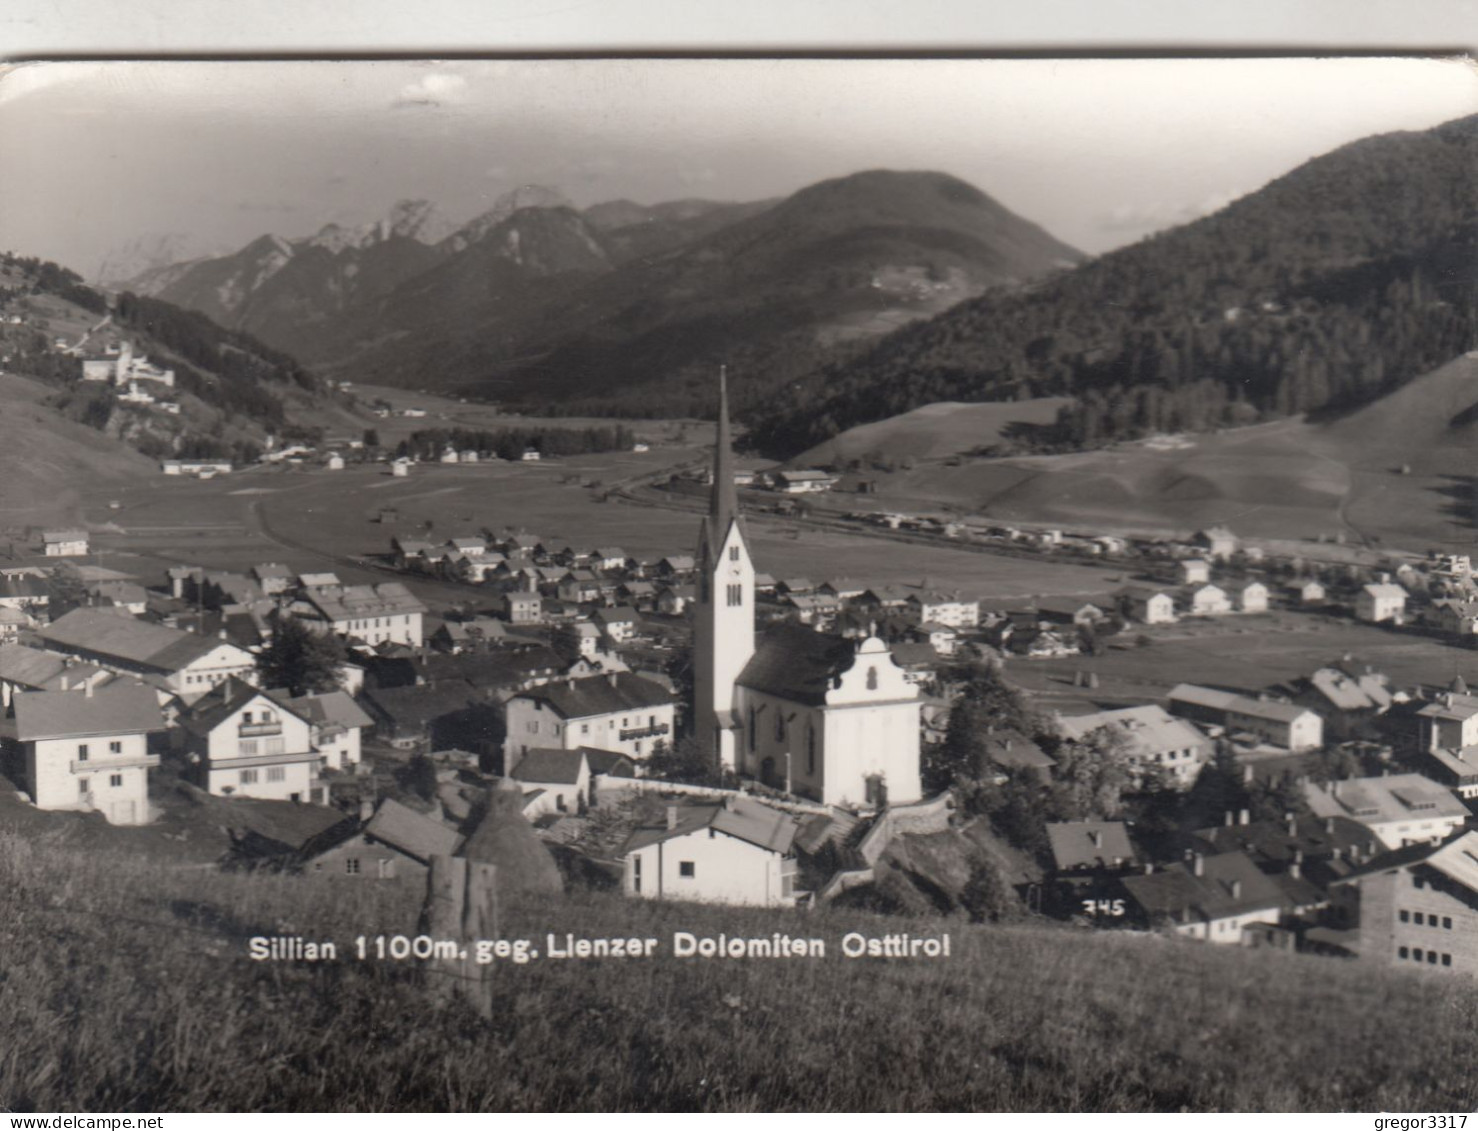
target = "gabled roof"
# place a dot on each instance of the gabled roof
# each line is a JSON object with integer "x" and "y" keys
{"x": 599, "y": 695}
{"x": 64, "y": 536}
{"x": 550, "y": 766}
{"x": 1149, "y": 729}
{"x": 330, "y": 708}
{"x": 1399, "y": 797}
{"x": 1456, "y": 858}
{"x": 1011, "y": 749}
{"x": 1178, "y": 892}
{"x": 621, "y": 614}
{"x": 224, "y": 700}
{"x": 1385, "y": 589}
{"x": 741, "y": 818}
{"x": 112, "y": 633}
{"x": 27, "y": 587}
{"x": 412, "y": 833}
{"x": 29, "y": 667}
{"x": 1089, "y": 844}
{"x": 120, "y": 708}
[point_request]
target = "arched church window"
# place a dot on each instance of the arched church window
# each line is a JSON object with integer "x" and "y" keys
{"x": 811, "y": 750}
{"x": 872, "y": 679}
{"x": 751, "y": 729}
{"x": 779, "y": 726}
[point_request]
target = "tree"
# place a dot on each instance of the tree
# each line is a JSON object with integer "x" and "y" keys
{"x": 1092, "y": 776}
{"x": 300, "y": 659}
{"x": 987, "y": 897}
{"x": 686, "y": 761}
{"x": 371, "y": 438}
{"x": 64, "y": 592}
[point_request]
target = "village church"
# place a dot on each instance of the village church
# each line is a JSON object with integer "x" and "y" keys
{"x": 821, "y": 716}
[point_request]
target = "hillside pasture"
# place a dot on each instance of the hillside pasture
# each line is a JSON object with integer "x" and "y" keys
{"x": 932, "y": 432}
{"x": 1017, "y": 1018}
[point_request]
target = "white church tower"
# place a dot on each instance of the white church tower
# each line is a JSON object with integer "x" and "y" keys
{"x": 723, "y": 627}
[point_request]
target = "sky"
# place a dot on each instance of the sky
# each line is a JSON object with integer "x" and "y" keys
{"x": 1099, "y": 152}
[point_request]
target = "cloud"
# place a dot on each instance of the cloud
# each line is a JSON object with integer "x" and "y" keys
{"x": 440, "y": 88}
{"x": 1154, "y": 215}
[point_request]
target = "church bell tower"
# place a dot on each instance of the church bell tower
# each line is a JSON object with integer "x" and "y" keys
{"x": 723, "y": 625}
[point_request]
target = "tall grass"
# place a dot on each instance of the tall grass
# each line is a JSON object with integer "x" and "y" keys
{"x": 127, "y": 986}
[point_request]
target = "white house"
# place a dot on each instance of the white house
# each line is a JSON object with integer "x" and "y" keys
{"x": 64, "y": 543}
{"x": 802, "y": 482}
{"x": 1380, "y": 602}
{"x": 1210, "y": 898}
{"x": 1194, "y": 571}
{"x": 1152, "y": 739}
{"x": 400, "y": 467}
{"x": 737, "y": 851}
{"x": 195, "y": 466}
{"x": 619, "y": 623}
{"x": 617, "y": 711}
{"x": 89, "y": 749}
{"x": 187, "y": 663}
{"x": 1151, "y": 606}
{"x": 1252, "y": 597}
{"x": 240, "y": 742}
{"x": 1209, "y": 601}
{"x": 335, "y": 462}
{"x": 336, "y": 721}
{"x": 375, "y": 614}
{"x": 1399, "y": 809}
{"x": 944, "y": 608}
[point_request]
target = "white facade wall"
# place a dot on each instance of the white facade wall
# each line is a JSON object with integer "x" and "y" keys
{"x": 531, "y": 726}
{"x": 88, "y": 773}
{"x": 396, "y": 628}
{"x": 66, "y": 549}
{"x": 1228, "y": 931}
{"x": 270, "y": 757}
{"x": 955, "y": 614}
{"x": 724, "y": 870}
{"x": 341, "y": 750}
{"x": 214, "y": 668}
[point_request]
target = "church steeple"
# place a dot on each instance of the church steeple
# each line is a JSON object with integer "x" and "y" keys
{"x": 723, "y": 615}
{"x": 723, "y": 499}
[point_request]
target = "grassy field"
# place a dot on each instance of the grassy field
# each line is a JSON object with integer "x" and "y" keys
{"x": 128, "y": 987}
{"x": 1289, "y": 479}
{"x": 1246, "y": 652}
{"x": 933, "y": 431}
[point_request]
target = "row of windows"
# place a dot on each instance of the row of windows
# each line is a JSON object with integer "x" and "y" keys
{"x": 248, "y": 747}
{"x": 274, "y": 773}
{"x": 1429, "y": 919}
{"x": 389, "y": 622}
{"x": 83, "y": 750}
{"x": 84, "y": 785}
{"x": 211, "y": 678}
{"x": 1416, "y": 954}
{"x": 385, "y": 868}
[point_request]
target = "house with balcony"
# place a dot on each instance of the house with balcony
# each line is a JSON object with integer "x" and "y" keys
{"x": 617, "y": 711}
{"x": 944, "y": 608}
{"x": 737, "y": 851}
{"x": 336, "y": 721}
{"x": 238, "y": 741}
{"x": 89, "y": 748}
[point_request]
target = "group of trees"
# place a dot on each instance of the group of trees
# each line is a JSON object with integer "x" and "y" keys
{"x": 1341, "y": 281}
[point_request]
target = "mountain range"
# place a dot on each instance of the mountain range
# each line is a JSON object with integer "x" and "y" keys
{"x": 620, "y": 306}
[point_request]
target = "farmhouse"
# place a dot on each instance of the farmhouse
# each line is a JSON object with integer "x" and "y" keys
{"x": 89, "y": 749}
{"x": 1400, "y": 809}
{"x": 802, "y": 482}
{"x": 1307, "y": 593}
{"x": 1089, "y": 846}
{"x": 64, "y": 543}
{"x": 240, "y": 741}
{"x": 1417, "y": 906}
{"x": 396, "y": 843}
{"x": 195, "y": 467}
{"x": 189, "y": 665}
{"x": 1449, "y": 739}
{"x": 1280, "y": 724}
{"x": 738, "y": 852}
{"x": 1212, "y": 898}
{"x": 1348, "y": 697}
{"x": 619, "y": 624}
{"x": 619, "y": 711}
{"x": 23, "y": 593}
{"x": 1251, "y": 597}
{"x": 30, "y": 669}
{"x": 521, "y": 607}
{"x": 564, "y": 781}
{"x": 1153, "y": 740}
{"x": 1380, "y": 602}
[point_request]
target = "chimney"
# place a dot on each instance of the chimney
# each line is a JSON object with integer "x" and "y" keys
{"x": 66, "y": 682}
{"x": 1292, "y": 825}
{"x": 1247, "y": 775}
{"x": 1231, "y": 818}
{"x": 672, "y": 816}
{"x": 611, "y": 678}
{"x": 729, "y": 801}
{"x": 1369, "y": 849}
{"x": 1296, "y": 869}
{"x": 366, "y": 808}
{"x": 87, "y": 688}
{"x": 1096, "y": 837}
{"x": 1236, "y": 889}
{"x": 1245, "y": 817}
{"x": 1329, "y": 824}
{"x": 1198, "y": 864}
{"x": 1149, "y": 869}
